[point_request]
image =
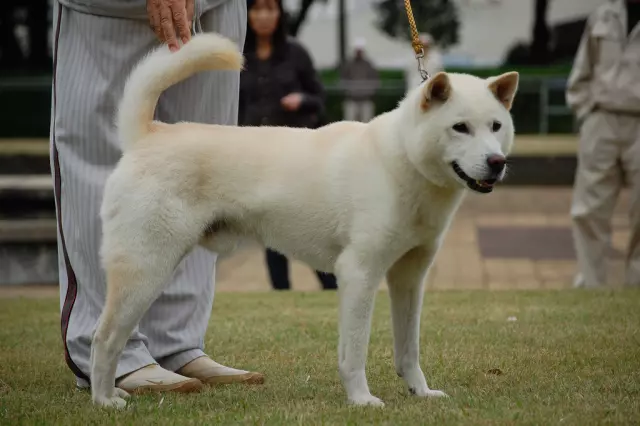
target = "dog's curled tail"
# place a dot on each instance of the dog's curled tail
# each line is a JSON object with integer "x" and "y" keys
{"x": 162, "y": 69}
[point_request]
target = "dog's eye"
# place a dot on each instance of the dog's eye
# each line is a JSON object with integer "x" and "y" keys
{"x": 461, "y": 128}
{"x": 496, "y": 126}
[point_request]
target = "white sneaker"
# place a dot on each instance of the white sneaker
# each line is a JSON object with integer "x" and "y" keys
{"x": 210, "y": 372}
{"x": 154, "y": 378}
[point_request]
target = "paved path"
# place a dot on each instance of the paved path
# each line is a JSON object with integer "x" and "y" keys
{"x": 515, "y": 238}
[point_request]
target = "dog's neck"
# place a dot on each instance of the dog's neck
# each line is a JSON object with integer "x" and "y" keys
{"x": 390, "y": 139}
{"x": 390, "y": 143}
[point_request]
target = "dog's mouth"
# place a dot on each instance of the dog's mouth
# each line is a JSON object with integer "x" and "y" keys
{"x": 483, "y": 186}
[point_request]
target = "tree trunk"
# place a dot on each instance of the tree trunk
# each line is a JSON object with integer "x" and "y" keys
{"x": 540, "y": 43}
{"x": 294, "y": 29}
{"x": 342, "y": 31}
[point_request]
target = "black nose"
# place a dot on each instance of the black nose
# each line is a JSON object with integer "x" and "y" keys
{"x": 496, "y": 163}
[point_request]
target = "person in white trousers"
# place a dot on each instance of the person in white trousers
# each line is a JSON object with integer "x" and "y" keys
{"x": 96, "y": 45}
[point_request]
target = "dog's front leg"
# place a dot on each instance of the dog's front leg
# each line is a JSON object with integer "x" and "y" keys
{"x": 406, "y": 289}
{"x": 358, "y": 281}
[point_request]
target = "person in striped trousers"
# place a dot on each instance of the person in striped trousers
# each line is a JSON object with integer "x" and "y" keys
{"x": 96, "y": 45}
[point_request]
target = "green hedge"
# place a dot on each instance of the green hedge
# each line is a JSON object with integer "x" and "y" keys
{"x": 25, "y": 102}
{"x": 526, "y": 109}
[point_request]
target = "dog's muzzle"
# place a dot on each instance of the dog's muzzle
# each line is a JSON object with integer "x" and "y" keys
{"x": 484, "y": 186}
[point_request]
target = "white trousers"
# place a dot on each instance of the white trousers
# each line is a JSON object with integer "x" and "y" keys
{"x": 93, "y": 55}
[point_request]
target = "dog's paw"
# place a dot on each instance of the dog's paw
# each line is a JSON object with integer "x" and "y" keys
{"x": 427, "y": 393}
{"x": 366, "y": 400}
{"x": 121, "y": 393}
{"x": 115, "y": 401}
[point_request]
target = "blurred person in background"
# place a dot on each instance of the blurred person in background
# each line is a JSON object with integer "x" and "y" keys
{"x": 10, "y": 52}
{"x": 96, "y": 45}
{"x": 278, "y": 87}
{"x": 359, "y": 82}
{"x": 24, "y": 30}
{"x": 604, "y": 91}
{"x": 432, "y": 62}
{"x": 38, "y": 26}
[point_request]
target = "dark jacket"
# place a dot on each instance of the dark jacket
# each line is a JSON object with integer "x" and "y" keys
{"x": 264, "y": 83}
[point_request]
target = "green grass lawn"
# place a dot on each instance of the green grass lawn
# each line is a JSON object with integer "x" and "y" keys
{"x": 571, "y": 357}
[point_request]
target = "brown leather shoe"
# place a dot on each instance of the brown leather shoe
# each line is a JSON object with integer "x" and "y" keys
{"x": 210, "y": 372}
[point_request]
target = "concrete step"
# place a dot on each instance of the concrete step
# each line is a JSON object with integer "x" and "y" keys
{"x": 524, "y": 146}
{"x": 27, "y": 196}
{"x": 28, "y": 231}
{"x": 24, "y": 146}
{"x": 26, "y": 183}
{"x": 535, "y": 160}
{"x": 24, "y": 156}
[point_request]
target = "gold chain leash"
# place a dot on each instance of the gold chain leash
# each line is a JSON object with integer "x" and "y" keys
{"x": 415, "y": 41}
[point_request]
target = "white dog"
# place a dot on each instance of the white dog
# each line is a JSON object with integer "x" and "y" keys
{"x": 364, "y": 201}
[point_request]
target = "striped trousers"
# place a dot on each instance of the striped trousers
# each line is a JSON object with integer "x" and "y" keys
{"x": 93, "y": 55}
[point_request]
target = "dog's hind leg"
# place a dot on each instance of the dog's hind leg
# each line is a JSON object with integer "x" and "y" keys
{"x": 406, "y": 289}
{"x": 359, "y": 280}
{"x": 130, "y": 291}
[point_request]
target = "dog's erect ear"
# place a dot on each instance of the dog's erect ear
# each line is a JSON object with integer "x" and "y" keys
{"x": 437, "y": 89}
{"x": 504, "y": 87}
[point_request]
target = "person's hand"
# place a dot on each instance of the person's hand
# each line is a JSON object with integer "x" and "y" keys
{"x": 291, "y": 102}
{"x": 171, "y": 19}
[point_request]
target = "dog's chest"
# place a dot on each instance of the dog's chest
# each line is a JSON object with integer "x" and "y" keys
{"x": 430, "y": 220}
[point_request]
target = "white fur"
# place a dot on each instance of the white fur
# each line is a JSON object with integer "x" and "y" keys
{"x": 364, "y": 201}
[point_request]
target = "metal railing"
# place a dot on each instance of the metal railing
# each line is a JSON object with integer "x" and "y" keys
{"x": 542, "y": 86}
{"x": 548, "y": 110}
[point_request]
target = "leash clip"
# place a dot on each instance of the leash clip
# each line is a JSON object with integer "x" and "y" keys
{"x": 418, "y": 48}
{"x": 420, "y": 58}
